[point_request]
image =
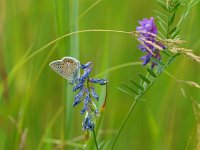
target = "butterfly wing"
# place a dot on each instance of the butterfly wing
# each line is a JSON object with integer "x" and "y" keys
{"x": 68, "y": 68}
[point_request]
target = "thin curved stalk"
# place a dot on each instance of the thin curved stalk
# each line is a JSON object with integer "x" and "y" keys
{"x": 62, "y": 37}
{"x": 128, "y": 115}
{"x": 118, "y": 67}
{"x": 70, "y": 34}
{"x": 88, "y": 9}
{"x": 123, "y": 123}
{"x": 24, "y": 60}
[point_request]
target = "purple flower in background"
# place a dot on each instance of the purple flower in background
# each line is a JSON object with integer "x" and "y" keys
{"x": 148, "y": 32}
{"x": 87, "y": 94}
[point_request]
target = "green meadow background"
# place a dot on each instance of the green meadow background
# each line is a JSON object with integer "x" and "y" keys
{"x": 36, "y": 104}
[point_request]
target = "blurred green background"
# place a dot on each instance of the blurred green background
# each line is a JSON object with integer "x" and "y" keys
{"x": 33, "y": 98}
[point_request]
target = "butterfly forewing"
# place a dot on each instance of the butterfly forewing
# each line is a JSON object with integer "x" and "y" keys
{"x": 68, "y": 67}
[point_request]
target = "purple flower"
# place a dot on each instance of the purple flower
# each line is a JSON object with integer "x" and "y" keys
{"x": 94, "y": 94}
{"x": 78, "y": 97}
{"x": 86, "y": 103}
{"x": 84, "y": 66}
{"x": 147, "y": 25}
{"x": 148, "y": 32}
{"x": 85, "y": 75}
{"x": 87, "y": 93}
{"x": 99, "y": 81}
{"x": 88, "y": 123}
{"x": 78, "y": 86}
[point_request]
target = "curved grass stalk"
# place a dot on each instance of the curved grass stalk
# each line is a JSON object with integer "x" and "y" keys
{"x": 61, "y": 143}
{"x": 118, "y": 67}
{"x": 186, "y": 82}
{"x": 170, "y": 60}
{"x": 70, "y": 34}
{"x": 88, "y": 9}
{"x": 129, "y": 113}
{"x": 62, "y": 37}
{"x": 23, "y": 61}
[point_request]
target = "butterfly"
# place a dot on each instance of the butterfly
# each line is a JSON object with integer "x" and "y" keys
{"x": 68, "y": 68}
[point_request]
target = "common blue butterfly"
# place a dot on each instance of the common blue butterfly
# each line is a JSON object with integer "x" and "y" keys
{"x": 68, "y": 68}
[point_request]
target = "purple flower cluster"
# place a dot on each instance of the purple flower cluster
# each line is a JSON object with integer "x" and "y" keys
{"x": 87, "y": 94}
{"x": 148, "y": 32}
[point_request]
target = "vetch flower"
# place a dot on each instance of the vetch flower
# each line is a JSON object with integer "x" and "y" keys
{"x": 148, "y": 32}
{"x": 78, "y": 86}
{"x": 94, "y": 94}
{"x": 88, "y": 123}
{"x": 99, "y": 81}
{"x": 78, "y": 97}
{"x": 85, "y": 75}
{"x": 86, "y": 65}
{"x": 87, "y": 94}
{"x": 86, "y": 102}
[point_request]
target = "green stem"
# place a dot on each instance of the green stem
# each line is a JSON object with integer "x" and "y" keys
{"x": 70, "y": 34}
{"x": 124, "y": 122}
{"x": 89, "y": 8}
{"x": 117, "y": 67}
{"x": 95, "y": 140}
{"x": 128, "y": 114}
{"x": 135, "y": 102}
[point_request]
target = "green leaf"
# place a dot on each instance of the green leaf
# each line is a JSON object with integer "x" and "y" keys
{"x": 176, "y": 33}
{"x": 172, "y": 31}
{"x": 144, "y": 78}
{"x": 161, "y": 35}
{"x": 163, "y": 4}
{"x": 171, "y": 19}
{"x": 166, "y": 53}
{"x": 159, "y": 13}
{"x": 128, "y": 87}
{"x": 137, "y": 85}
{"x": 161, "y": 20}
{"x": 122, "y": 90}
{"x": 173, "y": 58}
{"x": 161, "y": 25}
{"x": 160, "y": 63}
{"x": 176, "y": 7}
{"x": 151, "y": 72}
{"x": 193, "y": 3}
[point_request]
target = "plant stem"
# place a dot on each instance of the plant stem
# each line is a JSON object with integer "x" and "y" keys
{"x": 117, "y": 67}
{"x": 70, "y": 34}
{"x": 129, "y": 113}
{"x": 95, "y": 140}
{"x": 124, "y": 122}
{"x": 134, "y": 104}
